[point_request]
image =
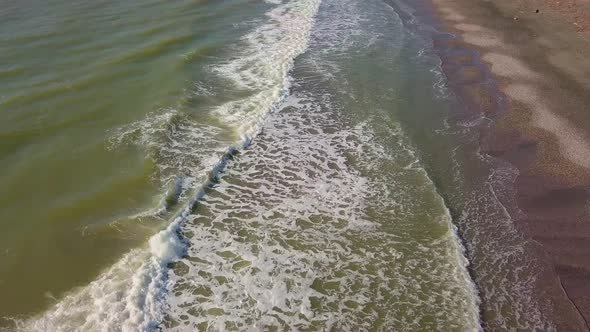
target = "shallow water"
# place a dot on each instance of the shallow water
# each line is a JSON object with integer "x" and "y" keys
{"x": 224, "y": 165}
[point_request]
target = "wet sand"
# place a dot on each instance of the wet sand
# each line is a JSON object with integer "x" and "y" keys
{"x": 534, "y": 55}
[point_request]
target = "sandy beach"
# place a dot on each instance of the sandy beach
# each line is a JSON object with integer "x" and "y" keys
{"x": 535, "y": 55}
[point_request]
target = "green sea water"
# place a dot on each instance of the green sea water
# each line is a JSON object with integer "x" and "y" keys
{"x": 223, "y": 165}
{"x": 70, "y": 74}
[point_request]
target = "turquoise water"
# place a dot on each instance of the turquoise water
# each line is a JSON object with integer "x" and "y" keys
{"x": 197, "y": 165}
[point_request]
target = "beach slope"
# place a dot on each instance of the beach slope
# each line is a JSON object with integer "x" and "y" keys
{"x": 538, "y": 52}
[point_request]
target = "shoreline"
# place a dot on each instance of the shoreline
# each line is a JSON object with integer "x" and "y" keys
{"x": 495, "y": 62}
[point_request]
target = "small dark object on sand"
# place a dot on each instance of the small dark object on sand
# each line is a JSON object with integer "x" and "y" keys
{"x": 537, "y": 11}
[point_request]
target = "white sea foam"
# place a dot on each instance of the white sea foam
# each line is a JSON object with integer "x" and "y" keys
{"x": 130, "y": 295}
{"x": 125, "y": 298}
{"x": 262, "y": 66}
{"x": 296, "y": 236}
{"x": 182, "y": 148}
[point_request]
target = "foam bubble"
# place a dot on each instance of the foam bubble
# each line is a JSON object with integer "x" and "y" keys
{"x": 263, "y": 64}
{"x": 166, "y": 246}
{"x": 304, "y": 230}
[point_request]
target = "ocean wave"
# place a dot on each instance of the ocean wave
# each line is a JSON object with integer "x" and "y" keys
{"x": 130, "y": 295}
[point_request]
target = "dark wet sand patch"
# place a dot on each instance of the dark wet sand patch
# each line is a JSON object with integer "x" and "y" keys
{"x": 543, "y": 130}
